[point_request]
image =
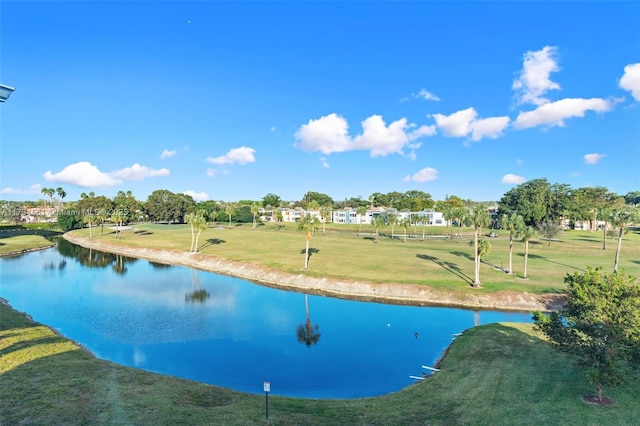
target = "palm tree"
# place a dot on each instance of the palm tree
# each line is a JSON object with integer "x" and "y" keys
{"x": 229, "y": 210}
{"x": 621, "y": 219}
{"x": 406, "y": 223}
{"x": 198, "y": 222}
{"x": 459, "y": 213}
{"x": 309, "y": 224}
{"x": 255, "y": 209}
{"x": 479, "y": 218}
{"x": 483, "y": 247}
{"x": 511, "y": 222}
{"x": 89, "y": 219}
{"x": 61, "y": 193}
{"x": 604, "y": 214}
{"x": 361, "y": 211}
{"x": 392, "y": 220}
{"x": 325, "y": 214}
{"x": 307, "y": 333}
{"x": 48, "y": 192}
{"x": 377, "y": 223}
{"x": 118, "y": 217}
{"x": 526, "y": 233}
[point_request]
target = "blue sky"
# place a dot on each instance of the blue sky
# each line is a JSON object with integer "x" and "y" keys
{"x": 234, "y": 100}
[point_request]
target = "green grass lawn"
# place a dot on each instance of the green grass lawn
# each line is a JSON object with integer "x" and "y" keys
{"x": 16, "y": 241}
{"x": 445, "y": 264}
{"x": 501, "y": 374}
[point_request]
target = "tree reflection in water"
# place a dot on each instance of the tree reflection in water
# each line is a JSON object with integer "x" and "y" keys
{"x": 93, "y": 258}
{"x": 307, "y": 333}
{"x": 199, "y": 295}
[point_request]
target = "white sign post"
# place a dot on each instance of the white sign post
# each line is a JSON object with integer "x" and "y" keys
{"x": 267, "y": 389}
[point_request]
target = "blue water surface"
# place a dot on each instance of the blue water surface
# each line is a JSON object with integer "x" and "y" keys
{"x": 230, "y": 332}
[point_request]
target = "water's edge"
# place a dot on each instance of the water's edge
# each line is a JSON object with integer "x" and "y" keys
{"x": 393, "y": 293}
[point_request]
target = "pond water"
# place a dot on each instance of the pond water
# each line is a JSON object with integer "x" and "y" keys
{"x": 230, "y": 332}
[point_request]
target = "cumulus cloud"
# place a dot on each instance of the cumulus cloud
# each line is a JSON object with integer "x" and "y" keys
{"x": 83, "y": 174}
{"x": 324, "y": 162}
{"x": 554, "y": 113}
{"x": 330, "y": 134}
{"x": 86, "y": 175}
{"x": 326, "y": 134}
{"x": 9, "y": 190}
{"x": 630, "y": 80}
{"x": 242, "y": 155}
{"x": 167, "y": 153}
{"x": 466, "y": 123}
{"x": 593, "y": 158}
{"x": 534, "y": 80}
{"x": 513, "y": 179}
{"x": 138, "y": 172}
{"x": 211, "y": 172}
{"x": 425, "y": 175}
{"x": 197, "y": 196}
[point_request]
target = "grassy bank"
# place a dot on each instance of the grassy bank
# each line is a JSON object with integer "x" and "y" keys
{"x": 442, "y": 263}
{"x": 20, "y": 240}
{"x": 498, "y": 374}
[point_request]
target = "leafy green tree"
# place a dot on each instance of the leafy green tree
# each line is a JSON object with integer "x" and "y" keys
{"x": 479, "y": 218}
{"x": 532, "y": 200}
{"x": 131, "y": 208}
{"x": 309, "y": 224}
{"x": 549, "y": 229}
{"x": 165, "y": 206}
{"x": 600, "y": 324}
{"x": 307, "y": 333}
{"x": 632, "y": 198}
{"x": 321, "y": 199}
{"x": 511, "y": 222}
{"x": 68, "y": 221}
{"x": 526, "y": 233}
{"x": 118, "y": 217}
{"x": 621, "y": 219}
{"x": 271, "y": 200}
{"x": 459, "y": 214}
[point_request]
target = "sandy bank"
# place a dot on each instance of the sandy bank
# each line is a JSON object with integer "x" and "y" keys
{"x": 406, "y": 294}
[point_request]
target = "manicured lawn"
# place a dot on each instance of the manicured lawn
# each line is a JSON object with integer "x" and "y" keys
{"x": 15, "y": 241}
{"x": 494, "y": 374}
{"x": 445, "y": 264}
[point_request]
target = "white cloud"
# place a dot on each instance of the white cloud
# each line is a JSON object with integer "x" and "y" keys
{"x": 86, "y": 175}
{"x": 82, "y": 174}
{"x": 137, "y": 172}
{"x": 323, "y": 160}
{"x": 554, "y": 113}
{"x": 380, "y": 139}
{"x": 167, "y": 153}
{"x": 574, "y": 174}
{"x": 513, "y": 179}
{"x": 9, "y": 190}
{"x": 330, "y": 134}
{"x": 519, "y": 162}
{"x": 326, "y": 134}
{"x": 242, "y": 155}
{"x": 426, "y": 95}
{"x": 630, "y": 80}
{"x": 593, "y": 158}
{"x": 534, "y": 80}
{"x": 33, "y": 189}
{"x": 211, "y": 172}
{"x": 272, "y": 128}
{"x": 465, "y": 122}
{"x": 425, "y": 175}
{"x": 197, "y": 196}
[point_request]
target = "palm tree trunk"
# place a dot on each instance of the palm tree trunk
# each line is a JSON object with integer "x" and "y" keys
{"x": 195, "y": 247}
{"x": 192, "y": 238}
{"x": 306, "y": 255}
{"x": 476, "y": 259}
{"x": 511, "y": 253}
{"x": 615, "y": 264}
{"x": 604, "y": 236}
{"x": 526, "y": 257}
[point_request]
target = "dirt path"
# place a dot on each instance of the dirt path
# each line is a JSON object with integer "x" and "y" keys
{"x": 406, "y": 294}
